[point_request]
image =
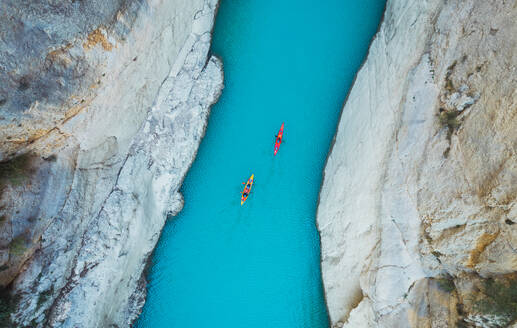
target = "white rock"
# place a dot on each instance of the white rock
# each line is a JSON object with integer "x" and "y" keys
{"x": 408, "y": 195}
{"x": 130, "y": 166}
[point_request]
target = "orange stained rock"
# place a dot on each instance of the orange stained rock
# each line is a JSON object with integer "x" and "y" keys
{"x": 482, "y": 243}
{"x": 96, "y": 37}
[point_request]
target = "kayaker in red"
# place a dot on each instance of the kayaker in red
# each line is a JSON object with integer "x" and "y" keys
{"x": 278, "y": 140}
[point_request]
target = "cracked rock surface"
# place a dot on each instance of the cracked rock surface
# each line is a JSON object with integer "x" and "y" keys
{"x": 84, "y": 198}
{"x": 420, "y": 187}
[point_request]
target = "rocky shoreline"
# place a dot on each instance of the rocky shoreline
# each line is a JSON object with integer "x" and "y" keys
{"x": 83, "y": 211}
{"x": 417, "y": 204}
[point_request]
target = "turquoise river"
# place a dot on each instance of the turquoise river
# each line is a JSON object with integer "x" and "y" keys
{"x": 219, "y": 264}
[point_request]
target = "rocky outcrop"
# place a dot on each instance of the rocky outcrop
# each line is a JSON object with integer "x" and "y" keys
{"x": 103, "y": 108}
{"x": 420, "y": 187}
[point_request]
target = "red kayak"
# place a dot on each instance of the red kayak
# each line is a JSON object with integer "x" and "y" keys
{"x": 278, "y": 140}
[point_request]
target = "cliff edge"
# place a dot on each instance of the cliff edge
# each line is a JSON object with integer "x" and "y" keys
{"x": 418, "y": 206}
{"x": 103, "y": 105}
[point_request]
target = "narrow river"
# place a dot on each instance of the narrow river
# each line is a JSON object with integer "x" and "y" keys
{"x": 219, "y": 264}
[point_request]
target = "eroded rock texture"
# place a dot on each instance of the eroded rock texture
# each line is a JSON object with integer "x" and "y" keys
{"x": 102, "y": 108}
{"x": 420, "y": 187}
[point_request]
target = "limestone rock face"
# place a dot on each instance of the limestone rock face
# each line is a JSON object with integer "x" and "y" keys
{"x": 421, "y": 183}
{"x": 102, "y": 108}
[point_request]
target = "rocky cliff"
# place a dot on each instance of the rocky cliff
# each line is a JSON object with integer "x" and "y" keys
{"x": 102, "y": 108}
{"x": 418, "y": 206}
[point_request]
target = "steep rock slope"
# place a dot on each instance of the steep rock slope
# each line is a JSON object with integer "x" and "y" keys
{"x": 103, "y": 108}
{"x": 417, "y": 208}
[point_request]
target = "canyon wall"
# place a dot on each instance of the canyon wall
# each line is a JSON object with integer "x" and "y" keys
{"x": 418, "y": 206}
{"x": 103, "y": 106}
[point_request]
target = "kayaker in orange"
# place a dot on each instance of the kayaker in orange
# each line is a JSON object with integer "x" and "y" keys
{"x": 247, "y": 189}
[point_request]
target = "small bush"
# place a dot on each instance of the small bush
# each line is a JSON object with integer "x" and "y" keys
{"x": 450, "y": 119}
{"x": 446, "y": 284}
{"x": 43, "y": 296}
{"x": 7, "y": 307}
{"x": 500, "y": 300}
{"x": 449, "y": 86}
{"x": 16, "y": 170}
{"x": 17, "y": 246}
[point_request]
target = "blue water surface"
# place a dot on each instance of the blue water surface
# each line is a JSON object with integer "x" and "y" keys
{"x": 220, "y": 264}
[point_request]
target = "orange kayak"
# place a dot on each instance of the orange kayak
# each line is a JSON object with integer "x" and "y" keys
{"x": 247, "y": 189}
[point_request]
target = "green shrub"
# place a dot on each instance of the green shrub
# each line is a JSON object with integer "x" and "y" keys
{"x": 450, "y": 119}
{"x": 16, "y": 170}
{"x": 446, "y": 284}
{"x": 500, "y": 299}
{"x": 7, "y": 306}
{"x": 17, "y": 246}
{"x": 449, "y": 86}
{"x": 43, "y": 296}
